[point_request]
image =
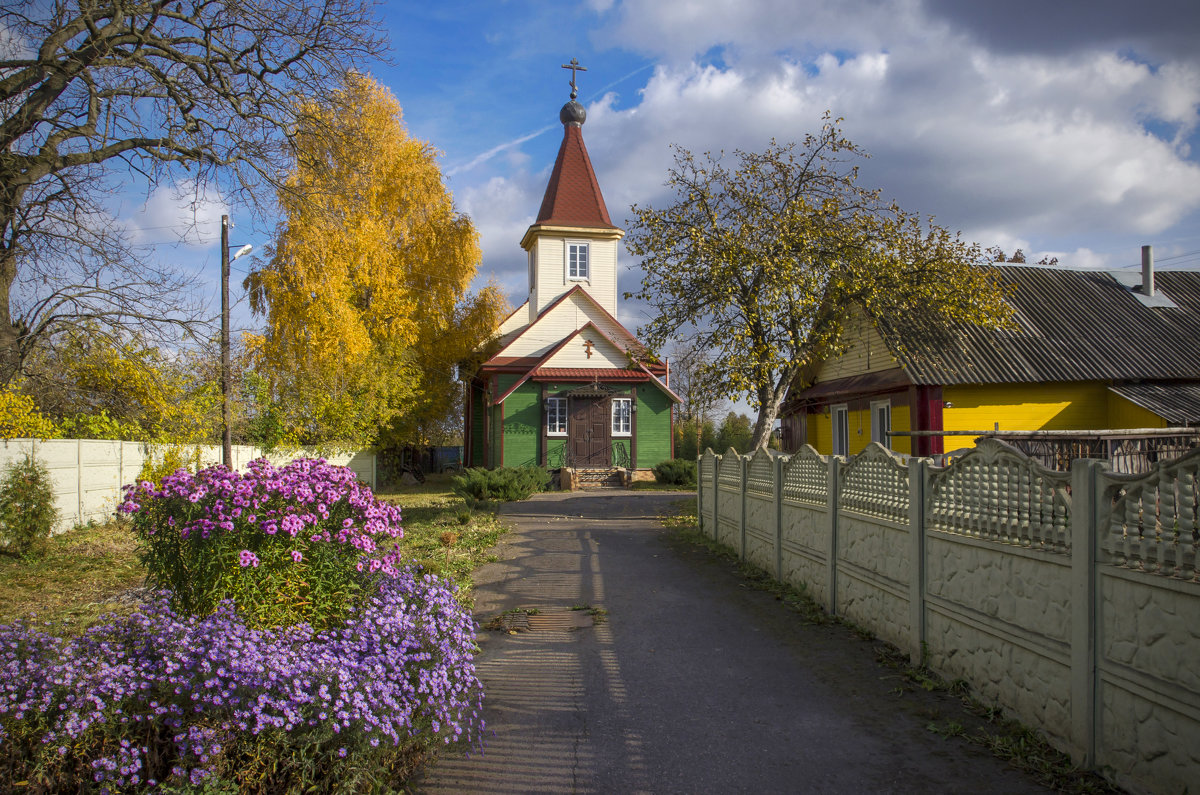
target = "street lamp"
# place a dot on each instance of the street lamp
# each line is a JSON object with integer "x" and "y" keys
{"x": 226, "y": 378}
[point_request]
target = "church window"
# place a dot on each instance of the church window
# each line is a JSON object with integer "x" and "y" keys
{"x": 577, "y": 261}
{"x": 556, "y": 416}
{"x": 621, "y": 416}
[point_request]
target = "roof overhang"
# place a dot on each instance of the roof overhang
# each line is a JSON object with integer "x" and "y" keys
{"x": 855, "y": 386}
{"x": 594, "y": 232}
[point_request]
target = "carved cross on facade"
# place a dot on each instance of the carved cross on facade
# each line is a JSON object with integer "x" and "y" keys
{"x": 574, "y": 67}
{"x": 588, "y": 345}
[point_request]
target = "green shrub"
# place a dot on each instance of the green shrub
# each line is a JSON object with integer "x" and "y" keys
{"x": 503, "y": 485}
{"x": 676, "y": 472}
{"x": 27, "y": 512}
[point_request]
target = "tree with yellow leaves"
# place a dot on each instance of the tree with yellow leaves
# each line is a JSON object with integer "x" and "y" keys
{"x": 761, "y": 265}
{"x": 365, "y": 292}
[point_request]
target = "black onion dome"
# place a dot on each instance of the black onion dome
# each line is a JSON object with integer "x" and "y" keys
{"x": 572, "y": 113}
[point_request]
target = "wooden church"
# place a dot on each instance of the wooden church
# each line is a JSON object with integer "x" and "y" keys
{"x": 568, "y": 386}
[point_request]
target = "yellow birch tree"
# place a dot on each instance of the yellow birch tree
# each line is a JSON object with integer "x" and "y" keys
{"x": 365, "y": 292}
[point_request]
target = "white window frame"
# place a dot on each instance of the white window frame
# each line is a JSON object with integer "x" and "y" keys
{"x": 881, "y": 432}
{"x": 622, "y": 420}
{"x": 558, "y": 416}
{"x": 574, "y": 246}
{"x": 841, "y": 411}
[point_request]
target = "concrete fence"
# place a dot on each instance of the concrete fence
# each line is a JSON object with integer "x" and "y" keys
{"x": 89, "y": 474}
{"x": 1071, "y": 599}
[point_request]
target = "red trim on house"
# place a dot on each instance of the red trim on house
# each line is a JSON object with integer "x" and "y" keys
{"x": 500, "y": 463}
{"x": 587, "y": 374}
{"x": 927, "y": 416}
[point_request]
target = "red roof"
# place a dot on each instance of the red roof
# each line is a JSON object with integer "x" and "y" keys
{"x": 588, "y": 374}
{"x": 573, "y": 195}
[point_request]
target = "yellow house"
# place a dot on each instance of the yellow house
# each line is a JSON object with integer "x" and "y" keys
{"x": 1092, "y": 351}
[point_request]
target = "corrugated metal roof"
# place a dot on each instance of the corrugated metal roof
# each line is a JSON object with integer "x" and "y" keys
{"x": 1073, "y": 326}
{"x": 1178, "y": 404}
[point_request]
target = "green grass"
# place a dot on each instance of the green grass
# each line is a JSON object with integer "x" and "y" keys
{"x": 441, "y": 533}
{"x": 80, "y": 575}
{"x": 654, "y": 485}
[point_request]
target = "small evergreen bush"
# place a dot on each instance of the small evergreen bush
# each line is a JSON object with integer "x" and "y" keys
{"x": 27, "y": 512}
{"x": 502, "y": 485}
{"x": 676, "y": 472}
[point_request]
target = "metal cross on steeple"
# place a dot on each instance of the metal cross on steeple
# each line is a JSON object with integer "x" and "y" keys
{"x": 574, "y": 67}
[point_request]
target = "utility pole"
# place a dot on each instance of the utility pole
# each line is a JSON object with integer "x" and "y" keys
{"x": 226, "y": 436}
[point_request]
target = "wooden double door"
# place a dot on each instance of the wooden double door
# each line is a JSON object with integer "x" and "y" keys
{"x": 590, "y": 432}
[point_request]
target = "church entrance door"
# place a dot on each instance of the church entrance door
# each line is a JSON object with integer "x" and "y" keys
{"x": 591, "y": 447}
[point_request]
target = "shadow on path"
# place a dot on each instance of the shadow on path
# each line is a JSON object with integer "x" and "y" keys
{"x": 690, "y": 682}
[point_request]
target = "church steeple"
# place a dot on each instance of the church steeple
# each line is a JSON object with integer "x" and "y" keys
{"x": 573, "y": 196}
{"x": 573, "y": 242}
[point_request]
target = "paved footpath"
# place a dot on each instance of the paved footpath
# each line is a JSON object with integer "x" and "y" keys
{"x": 692, "y": 683}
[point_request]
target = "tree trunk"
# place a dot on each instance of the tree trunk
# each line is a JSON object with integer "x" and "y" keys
{"x": 767, "y": 413}
{"x": 10, "y": 337}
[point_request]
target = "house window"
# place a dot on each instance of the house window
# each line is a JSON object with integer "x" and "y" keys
{"x": 881, "y": 422}
{"x": 577, "y": 261}
{"x": 841, "y": 430}
{"x": 556, "y": 416}
{"x": 621, "y": 424}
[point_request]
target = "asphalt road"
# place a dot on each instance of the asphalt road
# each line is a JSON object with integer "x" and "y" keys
{"x": 691, "y": 682}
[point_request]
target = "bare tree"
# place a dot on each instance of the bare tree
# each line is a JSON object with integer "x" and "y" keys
{"x": 692, "y": 378}
{"x": 92, "y": 94}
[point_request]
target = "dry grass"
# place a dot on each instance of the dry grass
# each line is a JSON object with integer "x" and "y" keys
{"x": 72, "y": 578}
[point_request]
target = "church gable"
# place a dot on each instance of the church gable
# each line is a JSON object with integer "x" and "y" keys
{"x": 589, "y": 348}
{"x": 571, "y": 313}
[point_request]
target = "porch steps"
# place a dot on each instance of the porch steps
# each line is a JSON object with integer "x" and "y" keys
{"x": 599, "y": 478}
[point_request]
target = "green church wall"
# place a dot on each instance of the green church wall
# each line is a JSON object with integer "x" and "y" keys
{"x": 522, "y": 425}
{"x": 477, "y": 426}
{"x": 653, "y": 427}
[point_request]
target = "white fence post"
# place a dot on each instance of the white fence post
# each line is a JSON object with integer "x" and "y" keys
{"x": 1083, "y": 611}
{"x": 831, "y": 550}
{"x": 743, "y": 467}
{"x": 918, "y": 471}
{"x": 777, "y": 514}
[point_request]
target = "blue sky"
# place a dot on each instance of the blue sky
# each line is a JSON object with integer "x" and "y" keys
{"x": 1068, "y": 131}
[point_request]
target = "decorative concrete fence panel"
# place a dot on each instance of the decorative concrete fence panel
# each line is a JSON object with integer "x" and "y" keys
{"x": 998, "y": 582}
{"x": 874, "y": 556}
{"x": 706, "y": 495}
{"x": 762, "y": 517}
{"x": 1148, "y": 624}
{"x": 1072, "y": 600}
{"x": 805, "y": 518}
{"x": 731, "y": 486}
{"x": 88, "y": 475}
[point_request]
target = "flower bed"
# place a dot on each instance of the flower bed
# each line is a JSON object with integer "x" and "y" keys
{"x": 195, "y": 685}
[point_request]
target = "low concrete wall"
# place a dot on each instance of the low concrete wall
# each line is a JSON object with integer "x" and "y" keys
{"x": 1070, "y": 599}
{"x": 89, "y": 474}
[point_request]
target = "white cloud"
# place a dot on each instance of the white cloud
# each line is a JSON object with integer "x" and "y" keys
{"x": 1068, "y": 153}
{"x": 178, "y": 214}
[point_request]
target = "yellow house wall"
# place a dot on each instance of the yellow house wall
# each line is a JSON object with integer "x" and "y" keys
{"x": 820, "y": 429}
{"x": 1123, "y": 414}
{"x": 1023, "y": 407}
{"x": 866, "y": 352}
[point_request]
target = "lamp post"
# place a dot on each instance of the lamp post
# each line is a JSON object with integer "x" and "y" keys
{"x": 226, "y": 378}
